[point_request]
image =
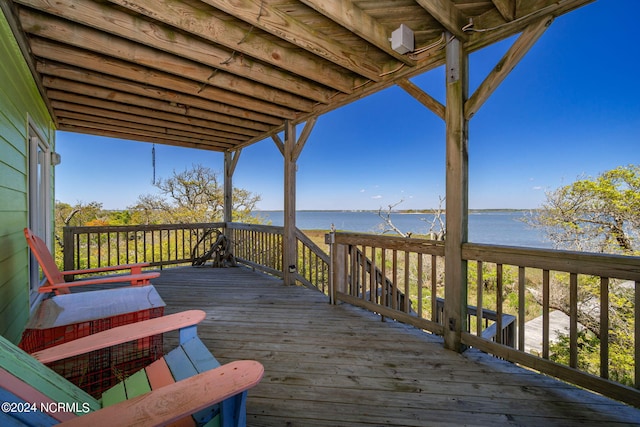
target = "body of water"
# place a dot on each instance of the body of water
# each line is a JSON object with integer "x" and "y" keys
{"x": 495, "y": 227}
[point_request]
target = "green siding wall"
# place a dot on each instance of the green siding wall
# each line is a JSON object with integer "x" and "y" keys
{"x": 20, "y": 103}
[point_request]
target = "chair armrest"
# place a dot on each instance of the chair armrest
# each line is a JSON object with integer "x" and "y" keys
{"x": 138, "y": 278}
{"x": 135, "y": 269}
{"x": 120, "y": 334}
{"x": 173, "y": 402}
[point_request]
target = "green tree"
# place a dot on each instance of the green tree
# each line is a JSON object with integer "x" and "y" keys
{"x": 194, "y": 195}
{"x": 600, "y": 214}
{"x": 78, "y": 214}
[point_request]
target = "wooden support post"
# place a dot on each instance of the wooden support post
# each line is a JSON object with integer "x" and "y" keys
{"x": 457, "y": 177}
{"x": 230, "y": 163}
{"x": 290, "y": 252}
{"x": 338, "y": 271}
{"x": 291, "y": 149}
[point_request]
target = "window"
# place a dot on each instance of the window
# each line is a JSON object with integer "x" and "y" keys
{"x": 39, "y": 202}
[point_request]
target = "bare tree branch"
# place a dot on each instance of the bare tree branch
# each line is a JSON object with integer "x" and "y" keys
{"x": 389, "y": 225}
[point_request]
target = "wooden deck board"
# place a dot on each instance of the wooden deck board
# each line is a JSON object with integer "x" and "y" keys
{"x": 340, "y": 365}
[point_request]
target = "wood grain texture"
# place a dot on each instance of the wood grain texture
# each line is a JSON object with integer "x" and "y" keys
{"x": 325, "y": 364}
{"x": 294, "y": 59}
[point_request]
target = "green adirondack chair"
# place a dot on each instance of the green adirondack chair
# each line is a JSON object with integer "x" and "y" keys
{"x": 187, "y": 386}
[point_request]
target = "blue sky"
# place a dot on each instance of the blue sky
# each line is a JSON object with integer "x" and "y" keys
{"x": 570, "y": 109}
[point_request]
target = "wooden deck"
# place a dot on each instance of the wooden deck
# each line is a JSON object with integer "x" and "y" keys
{"x": 340, "y": 365}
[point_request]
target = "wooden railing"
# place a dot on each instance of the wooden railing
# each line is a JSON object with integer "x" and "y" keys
{"x": 166, "y": 245}
{"x": 402, "y": 279}
{"x": 159, "y": 245}
{"x": 260, "y": 246}
{"x": 506, "y": 286}
{"x": 547, "y": 273}
{"x": 313, "y": 264}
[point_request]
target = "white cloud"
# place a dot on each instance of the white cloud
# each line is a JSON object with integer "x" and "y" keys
{"x": 377, "y": 197}
{"x": 537, "y": 188}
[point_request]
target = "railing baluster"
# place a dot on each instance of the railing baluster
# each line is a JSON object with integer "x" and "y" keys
{"x": 99, "y": 250}
{"x": 108, "y": 243}
{"x": 373, "y": 276}
{"x": 394, "y": 280}
{"x": 363, "y": 279}
{"x": 420, "y": 283}
{"x": 479, "y": 296}
{"x": 521, "y": 307}
{"x": 573, "y": 320}
{"x": 77, "y": 251}
{"x": 499, "y": 278}
{"x": 144, "y": 246}
{"x": 604, "y": 327}
{"x": 434, "y": 289}
{"x": 383, "y": 281}
{"x": 118, "y": 260}
{"x": 545, "y": 314}
{"x": 127, "y": 247}
{"x": 636, "y": 335}
{"x": 406, "y": 282}
{"x": 161, "y": 246}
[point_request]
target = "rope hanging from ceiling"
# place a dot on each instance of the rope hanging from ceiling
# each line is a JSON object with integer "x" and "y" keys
{"x": 153, "y": 163}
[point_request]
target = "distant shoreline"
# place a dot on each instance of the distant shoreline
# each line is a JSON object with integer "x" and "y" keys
{"x": 399, "y": 211}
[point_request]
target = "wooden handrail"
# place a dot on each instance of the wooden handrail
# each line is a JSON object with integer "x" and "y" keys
{"x": 163, "y": 245}
{"x": 400, "y": 260}
{"x": 379, "y": 272}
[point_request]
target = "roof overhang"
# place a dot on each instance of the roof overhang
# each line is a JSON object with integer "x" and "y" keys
{"x": 221, "y": 75}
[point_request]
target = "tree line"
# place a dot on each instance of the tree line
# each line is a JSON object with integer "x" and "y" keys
{"x": 191, "y": 196}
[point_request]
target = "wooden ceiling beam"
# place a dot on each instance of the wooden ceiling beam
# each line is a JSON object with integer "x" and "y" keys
{"x": 491, "y": 27}
{"x": 64, "y": 54}
{"x": 9, "y": 12}
{"x": 137, "y": 59}
{"x": 73, "y": 102}
{"x": 506, "y": 64}
{"x": 507, "y": 8}
{"x": 151, "y": 34}
{"x": 85, "y": 121}
{"x": 154, "y": 104}
{"x": 119, "y": 134}
{"x": 236, "y": 90}
{"x": 66, "y": 109}
{"x": 536, "y": 8}
{"x": 209, "y": 27}
{"x": 263, "y": 15}
{"x": 446, "y": 13}
{"x": 232, "y": 114}
{"x": 423, "y": 97}
{"x": 357, "y": 21}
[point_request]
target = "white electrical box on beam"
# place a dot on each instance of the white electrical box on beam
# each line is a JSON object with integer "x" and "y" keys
{"x": 402, "y": 39}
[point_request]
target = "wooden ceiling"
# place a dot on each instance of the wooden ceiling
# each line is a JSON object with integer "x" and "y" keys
{"x": 223, "y": 74}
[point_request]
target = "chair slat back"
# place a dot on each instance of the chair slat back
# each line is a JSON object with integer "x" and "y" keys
{"x": 12, "y": 386}
{"x": 41, "y": 252}
{"x": 24, "y": 367}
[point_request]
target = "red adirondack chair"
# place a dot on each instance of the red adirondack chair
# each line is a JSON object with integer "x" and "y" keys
{"x": 55, "y": 277}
